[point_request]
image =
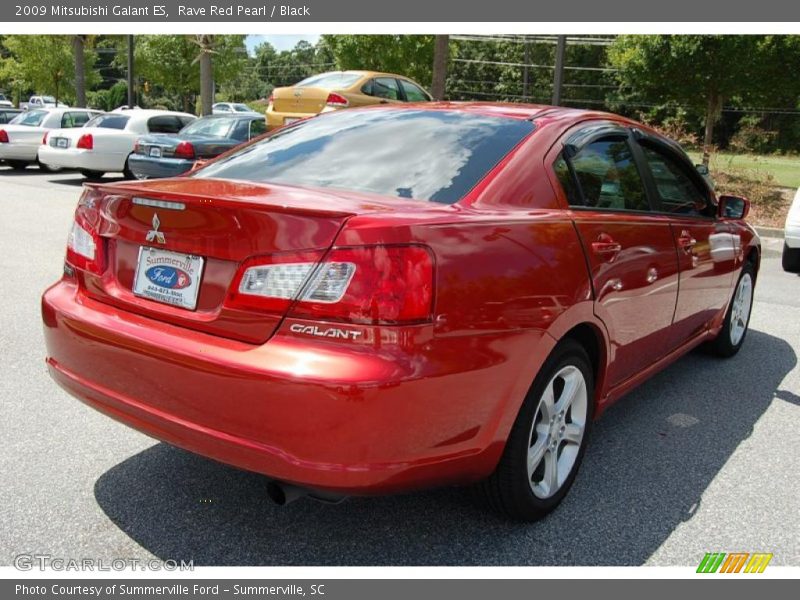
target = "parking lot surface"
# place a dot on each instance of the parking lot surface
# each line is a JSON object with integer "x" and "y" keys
{"x": 702, "y": 458}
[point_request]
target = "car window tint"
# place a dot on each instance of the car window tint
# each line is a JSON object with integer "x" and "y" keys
{"x": 31, "y": 118}
{"x": 608, "y": 177}
{"x": 109, "y": 121}
{"x": 257, "y": 128}
{"x": 412, "y": 92}
{"x": 420, "y": 154}
{"x": 567, "y": 182}
{"x": 164, "y": 124}
{"x": 74, "y": 119}
{"x": 242, "y": 108}
{"x": 677, "y": 191}
{"x": 385, "y": 87}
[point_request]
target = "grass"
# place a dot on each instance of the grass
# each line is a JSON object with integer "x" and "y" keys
{"x": 784, "y": 169}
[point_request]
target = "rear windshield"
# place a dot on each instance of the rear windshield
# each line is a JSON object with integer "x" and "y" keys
{"x": 215, "y": 127}
{"x": 32, "y": 118}
{"x": 330, "y": 80}
{"x": 242, "y": 108}
{"x": 419, "y": 154}
{"x": 109, "y": 121}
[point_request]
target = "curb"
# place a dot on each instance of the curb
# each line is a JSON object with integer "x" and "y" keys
{"x": 770, "y": 232}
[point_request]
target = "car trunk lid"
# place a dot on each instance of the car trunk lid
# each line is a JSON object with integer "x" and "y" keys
{"x": 222, "y": 224}
{"x": 309, "y": 100}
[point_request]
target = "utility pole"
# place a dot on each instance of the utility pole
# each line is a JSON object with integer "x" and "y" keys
{"x": 558, "y": 75}
{"x": 525, "y": 71}
{"x": 131, "y": 90}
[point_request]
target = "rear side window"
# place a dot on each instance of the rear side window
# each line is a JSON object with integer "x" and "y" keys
{"x": 109, "y": 121}
{"x": 385, "y": 87}
{"x": 412, "y": 92}
{"x": 164, "y": 124}
{"x": 677, "y": 192}
{"x": 74, "y": 119}
{"x": 419, "y": 154}
{"x": 257, "y": 128}
{"x": 607, "y": 177}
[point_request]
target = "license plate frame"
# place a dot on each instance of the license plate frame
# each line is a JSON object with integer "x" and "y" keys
{"x": 290, "y": 120}
{"x": 155, "y": 152}
{"x": 174, "y": 291}
{"x": 62, "y": 142}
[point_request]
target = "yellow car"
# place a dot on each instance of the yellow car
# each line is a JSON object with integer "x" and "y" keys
{"x": 339, "y": 89}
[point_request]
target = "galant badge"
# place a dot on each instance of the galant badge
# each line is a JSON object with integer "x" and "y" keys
{"x": 154, "y": 234}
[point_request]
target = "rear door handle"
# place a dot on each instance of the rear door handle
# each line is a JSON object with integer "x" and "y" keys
{"x": 606, "y": 247}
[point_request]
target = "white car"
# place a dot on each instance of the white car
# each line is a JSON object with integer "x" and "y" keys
{"x": 103, "y": 146}
{"x": 5, "y": 102}
{"x": 221, "y": 108}
{"x": 20, "y": 139}
{"x": 791, "y": 232}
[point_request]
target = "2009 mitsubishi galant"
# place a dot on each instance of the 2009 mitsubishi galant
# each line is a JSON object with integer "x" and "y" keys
{"x": 389, "y": 298}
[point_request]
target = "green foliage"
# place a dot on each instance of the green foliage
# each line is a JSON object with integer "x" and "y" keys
{"x": 279, "y": 69}
{"x": 45, "y": 64}
{"x": 409, "y": 55}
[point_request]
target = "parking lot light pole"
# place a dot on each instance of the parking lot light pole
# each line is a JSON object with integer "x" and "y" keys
{"x": 558, "y": 74}
{"x": 131, "y": 90}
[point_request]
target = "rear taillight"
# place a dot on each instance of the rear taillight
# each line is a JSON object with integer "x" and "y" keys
{"x": 369, "y": 284}
{"x": 85, "y": 249}
{"x": 336, "y": 100}
{"x": 3, "y": 136}
{"x": 85, "y": 142}
{"x": 184, "y": 150}
{"x": 44, "y": 138}
{"x": 138, "y": 148}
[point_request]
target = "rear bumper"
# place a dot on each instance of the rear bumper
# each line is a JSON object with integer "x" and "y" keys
{"x": 324, "y": 415}
{"x": 277, "y": 119}
{"x": 77, "y": 158}
{"x": 12, "y": 151}
{"x": 144, "y": 166}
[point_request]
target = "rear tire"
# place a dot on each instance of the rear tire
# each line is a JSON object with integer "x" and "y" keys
{"x": 791, "y": 259}
{"x": 47, "y": 168}
{"x": 18, "y": 165}
{"x": 737, "y": 320}
{"x": 548, "y": 439}
{"x": 126, "y": 171}
{"x": 92, "y": 174}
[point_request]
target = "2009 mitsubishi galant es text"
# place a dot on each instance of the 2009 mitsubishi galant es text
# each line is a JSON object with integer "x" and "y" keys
{"x": 390, "y": 298}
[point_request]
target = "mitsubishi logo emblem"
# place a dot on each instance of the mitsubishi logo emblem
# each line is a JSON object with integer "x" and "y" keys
{"x": 154, "y": 234}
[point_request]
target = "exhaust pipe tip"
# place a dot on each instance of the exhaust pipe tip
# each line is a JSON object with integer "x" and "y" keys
{"x": 283, "y": 493}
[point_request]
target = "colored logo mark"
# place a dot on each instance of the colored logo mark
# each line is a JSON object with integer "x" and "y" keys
{"x": 734, "y": 562}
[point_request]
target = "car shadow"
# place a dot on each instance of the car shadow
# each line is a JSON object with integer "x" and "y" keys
{"x": 78, "y": 180}
{"x": 650, "y": 459}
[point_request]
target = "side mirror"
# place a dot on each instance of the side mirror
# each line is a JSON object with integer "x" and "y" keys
{"x": 733, "y": 207}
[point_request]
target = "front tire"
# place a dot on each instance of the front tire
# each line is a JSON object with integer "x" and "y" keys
{"x": 790, "y": 259}
{"x": 737, "y": 320}
{"x": 548, "y": 439}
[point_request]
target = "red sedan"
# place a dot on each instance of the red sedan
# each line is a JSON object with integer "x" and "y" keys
{"x": 384, "y": 299}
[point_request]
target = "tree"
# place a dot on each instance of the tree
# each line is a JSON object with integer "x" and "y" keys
{"x": 170, "y": 63}
{"x": 409, "y": 55}
{"x": 698, "y": 71}
{"x": 441, "y": 52}
{"x": 78, "y": 49}
{"x": 206, "y": 44}
{"x": 45, "y": 64}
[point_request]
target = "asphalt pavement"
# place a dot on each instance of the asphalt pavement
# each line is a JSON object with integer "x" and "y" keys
{"x": 702, "y": 458}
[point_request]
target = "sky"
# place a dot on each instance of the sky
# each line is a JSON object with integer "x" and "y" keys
{"x": 281, "y": 42}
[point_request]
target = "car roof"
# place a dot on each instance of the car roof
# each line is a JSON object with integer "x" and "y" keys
{"x": 150, "y": 112}
{"x": 510, "y": 110}
{"x": 233, "y": 115}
